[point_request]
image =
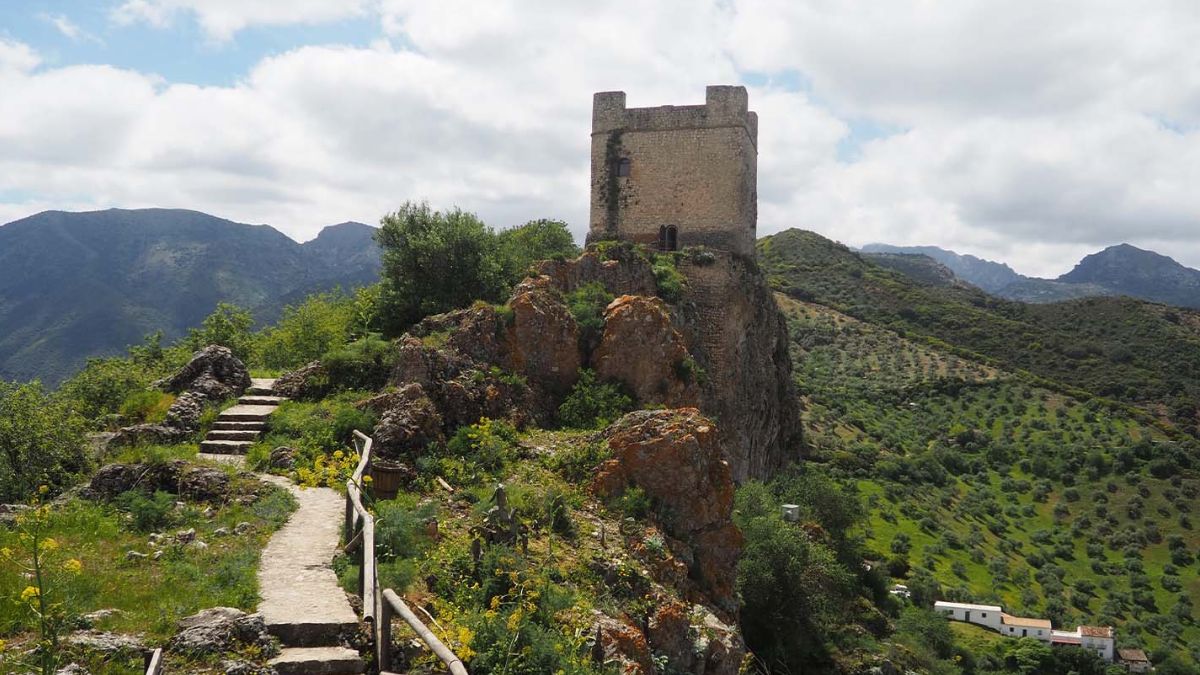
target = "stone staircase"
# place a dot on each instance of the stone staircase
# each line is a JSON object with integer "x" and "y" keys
{"x": 238, "y": 427}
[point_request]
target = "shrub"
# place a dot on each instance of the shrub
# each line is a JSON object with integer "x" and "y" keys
{"x": 317, "y": 326}
{"x": 593, "y": 404}
{"x": 149, "y": 513}
{"x": 363, "y": 364}
{"x": 41, "y": 442}
{"x": 577, "y": 462}
{"x": 633, "y": 502}
{"x": 146, "y": 406}
{"x": 669, "y": 279}
{"x": 228, "y": 326}
{"x": 587, "y": 304}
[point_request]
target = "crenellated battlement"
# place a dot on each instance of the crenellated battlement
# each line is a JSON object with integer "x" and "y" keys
{"x": 724, "y": 106}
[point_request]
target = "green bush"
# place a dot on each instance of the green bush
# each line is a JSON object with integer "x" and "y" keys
{"x": 633, "y": 502}
{"x": 321, "y": 324}
{"x": 323, "y": 427}
{"x": 228, "y": 326}
{"x": 41, "y": 442}
{"x": 149, "y": 513}
{"x": 147, "y": 406}
{"x": 400, "y": 526}
{"x": 587, "y": 304}
{"x": 577, "y": 462}
{"x": 593, "y": 404}
{"x": 363, "y": 364}
{"x": 670, "y": 280}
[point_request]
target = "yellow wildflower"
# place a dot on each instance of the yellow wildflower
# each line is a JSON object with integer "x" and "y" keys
{"x": 367, "y": 479}
{"x": 74, "y": 566}
{"x": 30, "y": 592}
{"x": 49, "y": 545}
{"x": 338, "y": 454}
{"x": 514, "y": 619}
{"x": 6, "y": 553}
{"x": 43, "y": 489}
{"x": 3, "y": 644}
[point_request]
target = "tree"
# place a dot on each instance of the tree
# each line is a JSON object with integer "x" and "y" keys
{"x": 536, "y": 240}
{"x": 434, "y": 262}
{"x": 41, "y": 442}
{"x": 307, "y": 331}
{"x": 228, "y": 326}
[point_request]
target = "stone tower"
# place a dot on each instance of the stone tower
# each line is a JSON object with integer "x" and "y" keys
{"x": 676, "y": 176}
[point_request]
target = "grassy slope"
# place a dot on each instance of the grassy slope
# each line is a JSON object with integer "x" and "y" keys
{"x": 1132, "y": 351}
{"x": 876, "y": 398}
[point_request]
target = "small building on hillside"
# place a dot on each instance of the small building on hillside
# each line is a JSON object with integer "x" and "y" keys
{"x": 987, "y": 616}
{"x": 1021, "y": 626}
{"x": 1097, "y": 639}
{"x": 1134, "y": 660}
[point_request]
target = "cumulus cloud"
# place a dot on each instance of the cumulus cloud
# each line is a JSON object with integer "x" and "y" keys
{"x": 1029, "y": 132}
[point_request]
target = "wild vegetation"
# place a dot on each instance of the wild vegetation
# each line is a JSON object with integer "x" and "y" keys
{"x": 988, "y": 484}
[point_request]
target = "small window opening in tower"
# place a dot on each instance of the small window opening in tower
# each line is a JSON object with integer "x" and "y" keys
{"x": 623, "y": 167}
{"x": 668, "y": 238}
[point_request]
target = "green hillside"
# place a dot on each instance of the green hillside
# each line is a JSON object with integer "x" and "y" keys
{"x": 1135, "y": 352}
{"x": 982, "y": 484}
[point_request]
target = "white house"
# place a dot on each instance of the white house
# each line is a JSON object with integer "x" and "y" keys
{"x": 1093, "y": 638}
{"x": 980, "y": 615}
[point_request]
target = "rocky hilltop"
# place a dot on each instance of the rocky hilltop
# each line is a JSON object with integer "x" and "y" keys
{"x": 703, "y": 333}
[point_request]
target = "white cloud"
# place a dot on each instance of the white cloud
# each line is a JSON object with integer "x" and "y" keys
{"x": 221, "y": 19}
{"x": 1032, "y": 132}
{"x": 68, "y": 28}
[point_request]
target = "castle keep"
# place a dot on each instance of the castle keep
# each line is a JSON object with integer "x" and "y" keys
{"x": 676, "y": 176}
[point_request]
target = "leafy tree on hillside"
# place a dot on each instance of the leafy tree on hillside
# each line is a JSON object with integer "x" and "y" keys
{"x": 435, "y": 261}
{"x": 307, "y": 331}
{"x": 41, "y": 442}
{"x": 228, "y": 326}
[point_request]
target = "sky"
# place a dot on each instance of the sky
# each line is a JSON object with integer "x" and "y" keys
{"x": 1027, "y": 131}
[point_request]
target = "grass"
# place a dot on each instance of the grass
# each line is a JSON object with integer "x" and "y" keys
{"x": 152, "y": 595}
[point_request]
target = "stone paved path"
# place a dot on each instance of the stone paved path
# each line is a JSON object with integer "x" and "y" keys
{"x": 302, "y": 603}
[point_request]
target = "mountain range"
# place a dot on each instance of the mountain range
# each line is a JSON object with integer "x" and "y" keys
{"x": 76, "y": 285}
{"x": 1116, "y": 270}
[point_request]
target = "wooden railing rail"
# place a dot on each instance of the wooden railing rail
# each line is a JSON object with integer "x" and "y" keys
{"x": 379, "y": 607}
{"x": 154, "y": 662}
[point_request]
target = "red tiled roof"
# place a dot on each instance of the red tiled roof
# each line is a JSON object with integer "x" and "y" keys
{"x": 1132, "y": 655}
{"x": 1096, "y": 631}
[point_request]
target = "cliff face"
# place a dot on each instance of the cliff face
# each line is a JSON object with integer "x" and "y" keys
{"x": 732, "y": 364}
{"x": 714, "y": 341}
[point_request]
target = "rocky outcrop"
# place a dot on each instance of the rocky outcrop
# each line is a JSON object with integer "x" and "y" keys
{"x": 213, "y": 375}
{"x": 621, "y": 270}
{"x": 676, "y": 458}
{"x": 178, "y": 477}
{"x": 302, "y": 383}
{"x": 409, "y": 420}
{"x": 621, "y": 644}
{"x": 222, "y": 630}
{"x": 213, "y": 371}
{"x": 641, "y": 348}
{"x": 694, "y": 640}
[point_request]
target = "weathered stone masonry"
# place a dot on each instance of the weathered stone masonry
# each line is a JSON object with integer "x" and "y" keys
{"x": 692, "y": 169}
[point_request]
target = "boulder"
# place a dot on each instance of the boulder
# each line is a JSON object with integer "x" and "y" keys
{"x": 186, "y": 410}
{"x": 694, "y": 640}
{"x": 543, "y": 340}
{"x": 113, "y": 479}
{"x": 282, "y": 457}
{"x": 148, "y": 434}
{"x": 213, "y": 371}
{"x": 641, "y": 348}
{"x": 624, "y": 273}
{"x": 409, "y": 420}
{"x": 221, "y": 630}
{"x": 304, "y": 382}
{"x": 105, "y": 642}
{"x": 621, "y": 644}
{"x": 203, "y": 483}
{"x": 676, "y": 458}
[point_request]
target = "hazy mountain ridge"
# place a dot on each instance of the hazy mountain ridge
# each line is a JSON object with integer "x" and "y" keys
{"x": 1117, "y": 270}
{"x": 74, "y": 285}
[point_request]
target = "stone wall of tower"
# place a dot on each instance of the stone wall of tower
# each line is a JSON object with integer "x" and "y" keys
{"x": 691, "y": 167}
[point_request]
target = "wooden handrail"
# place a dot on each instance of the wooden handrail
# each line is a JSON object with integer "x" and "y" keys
{"x": 377, "y": 607}
{"x": 154, "y": 662}
{"x": 393, "y": 603}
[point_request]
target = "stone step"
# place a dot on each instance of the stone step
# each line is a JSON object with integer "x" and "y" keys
{"x": 232, "y": 435}
{"x": 318, "y": 661}
{"x": 246, "y": 413}
{"x": 262, "y": 386}
{"x": 225, "y": 447}
{"x": 226, "y": 425}
{"x": 297, "y": 632}
{"x": 260, "y": 400}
